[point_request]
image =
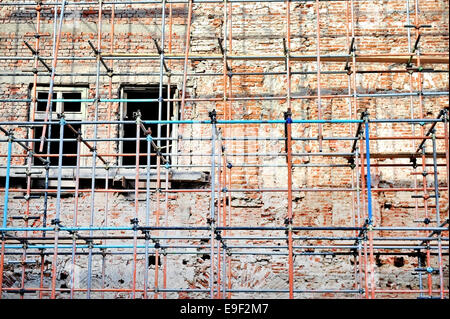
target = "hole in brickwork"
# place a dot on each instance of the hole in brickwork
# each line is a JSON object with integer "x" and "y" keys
{"x": 205, "y": 256}
{"x": 378, "y": 261}
{"x": 297, "y": 199}
{"x": 64, "y": 286}
{"x": 399, "y": 261}
{"x": 354, "y": 261}
{"x": 187, "y": 185}
{"x": 152, "y": 261}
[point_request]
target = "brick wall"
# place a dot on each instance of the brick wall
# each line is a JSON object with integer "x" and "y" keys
{"x": 257, "y": 29}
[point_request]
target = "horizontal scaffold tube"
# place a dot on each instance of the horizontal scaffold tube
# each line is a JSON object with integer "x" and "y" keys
{"x": 298, "y": 121}
{"x": 337, "y": 228}
{"x": 246, "y": 98}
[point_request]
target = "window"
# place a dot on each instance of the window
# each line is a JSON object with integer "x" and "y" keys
{"x": 73, "y": 110}
{"x": 149, "y": 111}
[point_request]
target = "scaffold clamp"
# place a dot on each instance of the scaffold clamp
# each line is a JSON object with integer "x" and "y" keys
{"x": 213, "y": 115}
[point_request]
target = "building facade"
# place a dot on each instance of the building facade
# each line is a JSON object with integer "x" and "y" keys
{"x": 286, "y": 149}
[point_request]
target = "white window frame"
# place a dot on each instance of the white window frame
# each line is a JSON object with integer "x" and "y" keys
{"x": 69, "y": 116}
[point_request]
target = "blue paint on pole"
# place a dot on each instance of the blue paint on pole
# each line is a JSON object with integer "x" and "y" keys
{"x": 8, "y": 172}
{"x": 368, "y": 179}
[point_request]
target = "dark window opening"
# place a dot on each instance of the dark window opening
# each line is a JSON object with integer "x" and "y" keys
{"x": 72, "y": 106}
{"x": 69, "y": 147}
{"x": 149, "y": 111}
{"x": 42, "y": 105}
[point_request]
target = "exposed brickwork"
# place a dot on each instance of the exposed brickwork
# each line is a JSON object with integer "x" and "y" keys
{"x": 257, "y": 29}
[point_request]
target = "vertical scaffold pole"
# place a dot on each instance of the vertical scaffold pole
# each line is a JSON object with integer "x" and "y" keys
{"x": 288, "y": 118}
{"x": 5, "y": 210}
{"x": 227, "y": 218}
{"x": 438, "y": 215}
{"x": 56, "y": 41}
{"x": 369, "y": 204}
{"x": 75, "y": 213}
{"x": 147, "y": 213}
{"x": 56, "y": 221}
{"x": 213, "y": 117}
{"x": 319, "y": 99}
{"x": 368, "y": 179}
{"x": 289, "y": 203}
{"x": 8, "y": 172}
{"x": 2, "y": 260}
{"x": 186, "y": 55}
{"x": 94, "y": 149}
{"x": 135, "y": 220}
{"x": 160, "y": 105}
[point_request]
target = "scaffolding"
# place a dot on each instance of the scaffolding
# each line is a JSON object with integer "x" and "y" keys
{"x": 44, "y": 227}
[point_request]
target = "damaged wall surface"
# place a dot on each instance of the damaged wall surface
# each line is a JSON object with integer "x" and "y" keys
{"x": 224, "y": 149}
